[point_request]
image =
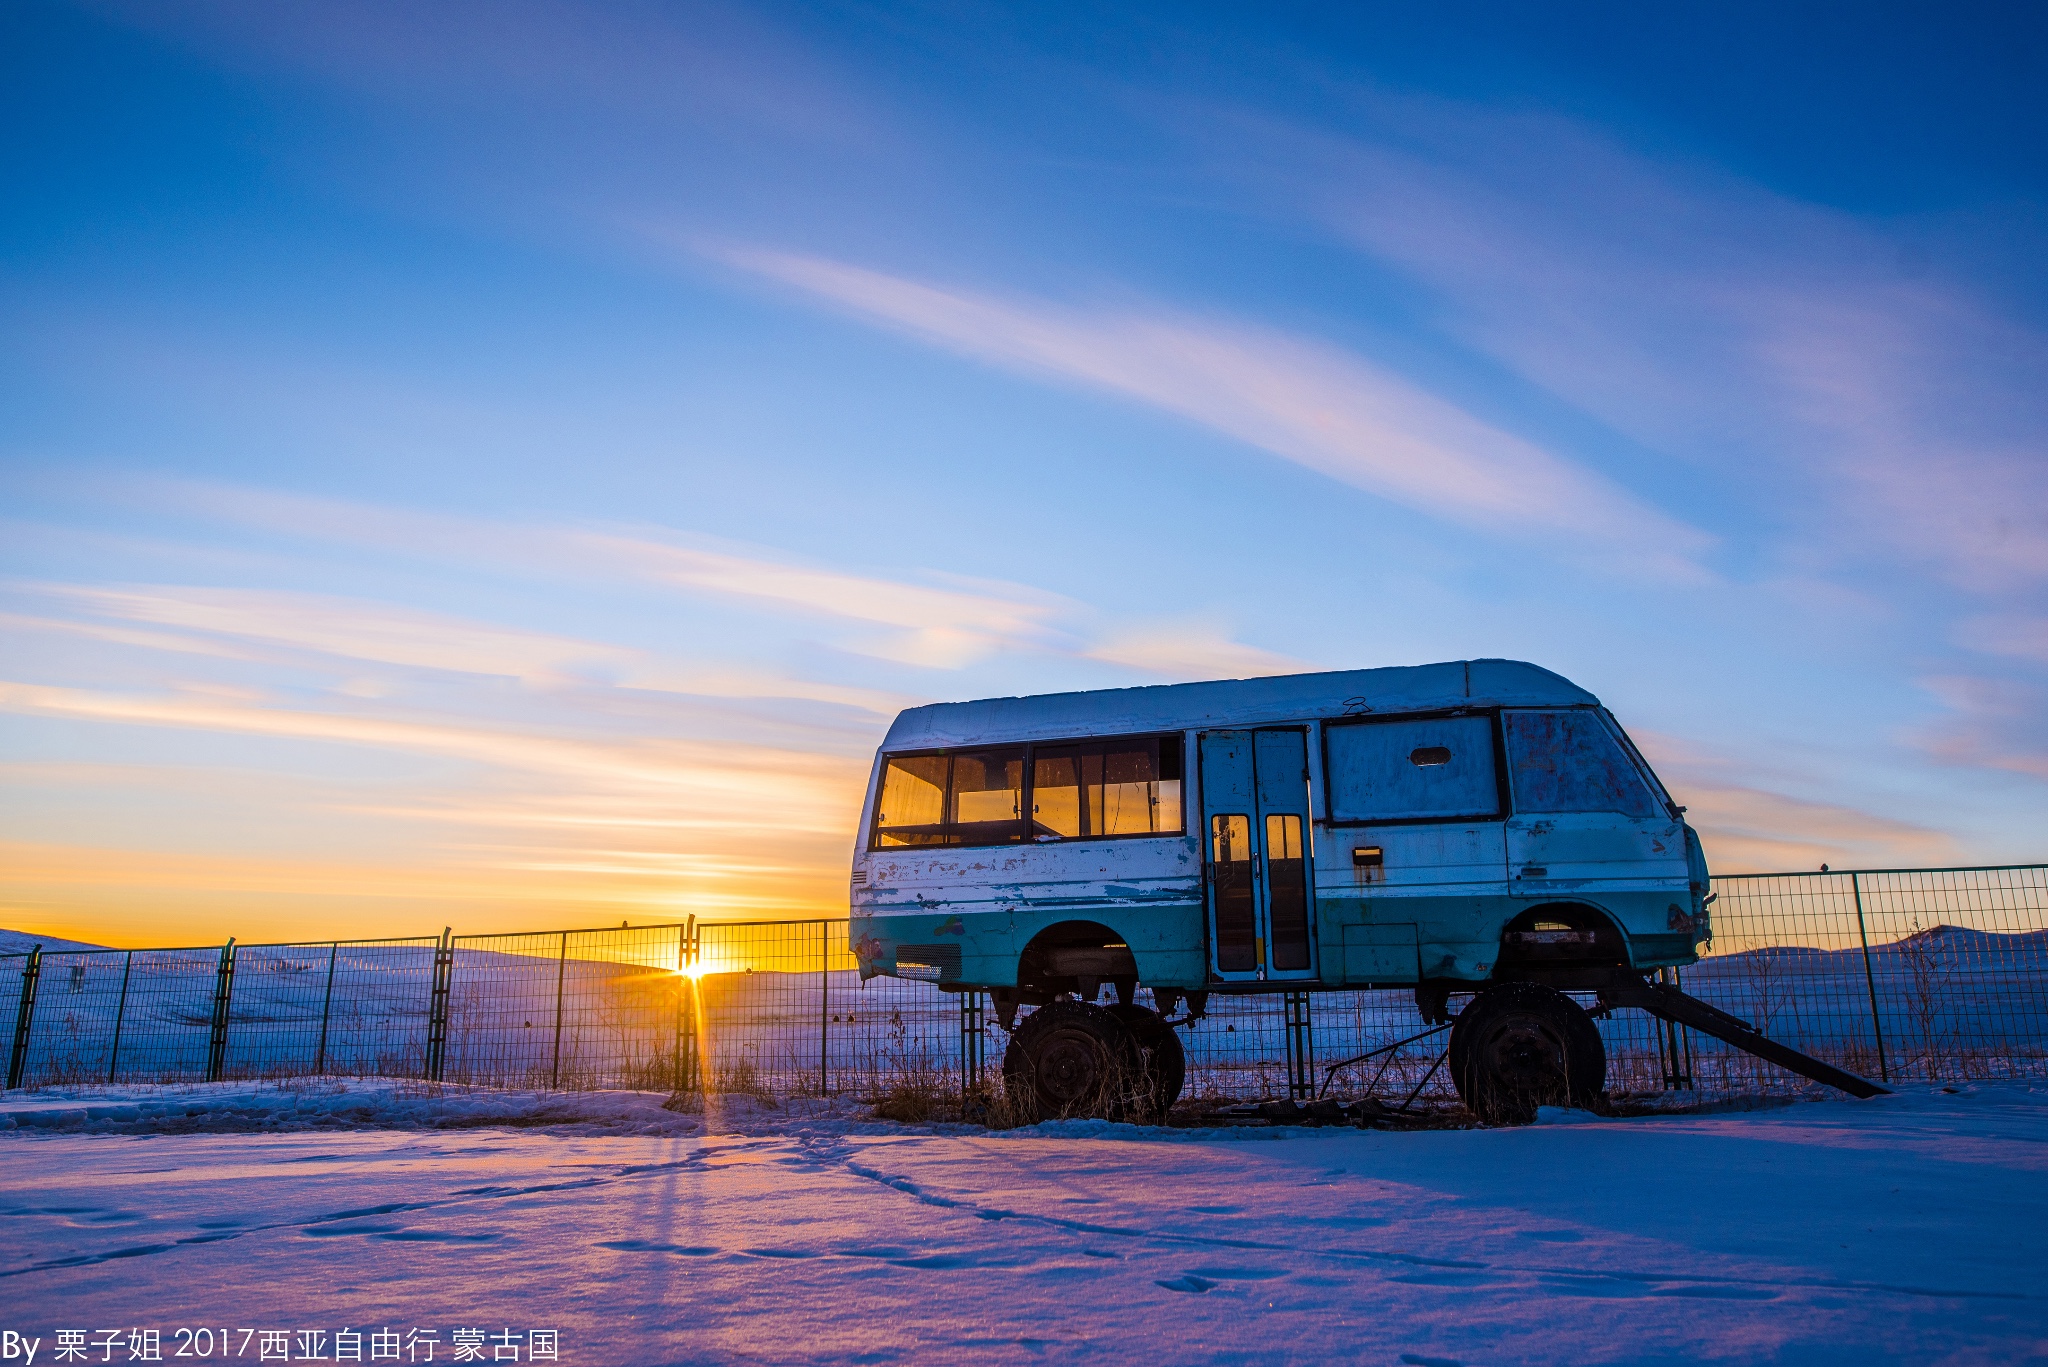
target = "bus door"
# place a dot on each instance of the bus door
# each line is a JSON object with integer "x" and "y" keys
{"x": 1256, "y": 828}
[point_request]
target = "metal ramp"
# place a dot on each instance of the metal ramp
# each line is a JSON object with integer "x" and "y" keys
{"x": 1668, "y": 1003}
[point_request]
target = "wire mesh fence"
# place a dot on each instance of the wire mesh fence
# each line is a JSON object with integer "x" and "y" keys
{"x": 1933, "y": 974}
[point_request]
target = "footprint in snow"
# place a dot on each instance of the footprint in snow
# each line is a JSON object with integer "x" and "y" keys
{"x": 1449, "y": 1278}
{"x": 1595, "y": 1287}
{"x": 1238, "y": 1274}
{"x": 1192, "y": 1284}
{"x": 652, "y": 1246}
{"x": 1418, "y": 1360}
{"x": 1720, "y": 1293}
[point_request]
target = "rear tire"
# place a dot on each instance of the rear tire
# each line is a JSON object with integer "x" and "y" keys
{"x": 1519, "y": 1046}
{"x": 1070, "y": 1059}
{"x": 1162, "y": 1063}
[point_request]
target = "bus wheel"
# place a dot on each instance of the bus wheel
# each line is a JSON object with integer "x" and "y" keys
{"x": 1518, "y": 1046}
{"x": 1163, "y": 1064}
{"x": 1070, "y": 1058}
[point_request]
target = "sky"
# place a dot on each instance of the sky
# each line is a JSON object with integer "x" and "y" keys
{"x": 503, "y": 466}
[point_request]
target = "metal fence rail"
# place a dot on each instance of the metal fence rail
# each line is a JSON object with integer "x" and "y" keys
{"x": 1935, "y": 974}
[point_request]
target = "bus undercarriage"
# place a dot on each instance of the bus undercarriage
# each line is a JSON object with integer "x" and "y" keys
{"x": 1515, "y": 1044}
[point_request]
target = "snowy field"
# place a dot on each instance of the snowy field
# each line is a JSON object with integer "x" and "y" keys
{"x": 1910, "y": 1228}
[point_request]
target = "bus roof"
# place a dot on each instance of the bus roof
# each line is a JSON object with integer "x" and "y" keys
{"x": 1234, "y": 702}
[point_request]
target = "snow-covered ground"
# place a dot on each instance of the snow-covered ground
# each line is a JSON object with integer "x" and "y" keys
{"x": 1909, "y": 1228}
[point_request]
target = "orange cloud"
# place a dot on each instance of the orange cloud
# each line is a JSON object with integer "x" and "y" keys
{"x": 712, "y": 773}
{"x": 1747, "y": 829}
{"x": 130, "y": 897}
{"x": 1332, "y": 412}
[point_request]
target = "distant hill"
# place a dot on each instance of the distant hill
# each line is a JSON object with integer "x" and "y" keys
{"x": 1941, "y": 941}
{"x": 1963, "y": 940}
{"x": 21, "y": 942}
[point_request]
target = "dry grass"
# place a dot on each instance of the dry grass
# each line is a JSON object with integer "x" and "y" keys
{"x": 911, "y": 1101}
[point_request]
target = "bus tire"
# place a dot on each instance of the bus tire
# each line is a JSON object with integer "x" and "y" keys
{"x": 1070, "y": 1059}
{"x": 1162, "y": 1063}
{"x": 1518, "y": 1046}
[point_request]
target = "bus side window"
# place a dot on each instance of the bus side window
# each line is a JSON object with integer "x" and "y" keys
{"x": 912, "y": 810}
{"x": 1571, "y": 762}
{"x": 972, "y": 797}
{"x": 1117, "y": 787}
{"x": 988, "y": 796}
{"x": 1056, "y": 793}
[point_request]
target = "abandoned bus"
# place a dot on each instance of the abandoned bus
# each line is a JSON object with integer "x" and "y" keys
{"x": 1481, "y": 830}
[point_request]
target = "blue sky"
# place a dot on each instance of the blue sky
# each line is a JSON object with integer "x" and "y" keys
{"x": 504, "y": 465}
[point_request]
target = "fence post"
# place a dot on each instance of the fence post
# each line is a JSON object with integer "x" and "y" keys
{"x": 692, "y": 1062}
{"x": 1869, "y": 977}
{"x": 561, "y": 968}
{"x": 223, "y": 996}
{"x": 682, "y": 1004}
{"x": 437, "y": 1005}
{"x": 1674, "y": 1047}
{"x": 973, "y": 1047}
{"x": 31, "y": 974}
{"x": 326, "y": 1008}
{"x": 824, "y": 997}
{"x": 1301, "y": 1051}
{"x": 120, "y": 1011}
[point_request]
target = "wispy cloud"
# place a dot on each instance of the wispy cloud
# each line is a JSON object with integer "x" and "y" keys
{"x": 179, "y": 642}
{"x": 1332, "y": 412}
{"x": 1187, "y": 650}
{"x": 936, "y": 619}
{"x": 935, "y": 626}
{"x": 347, "y": 628}
{"x": 1754, "y": 830}
{"x": 2017, "y": 635}
{"x": 709, "y": 775}
{"x": 711, "y": 64}
{"x": 942, "y": 622}
{"x": 1849, "y": 391}
{"x": 1994, "y": 724}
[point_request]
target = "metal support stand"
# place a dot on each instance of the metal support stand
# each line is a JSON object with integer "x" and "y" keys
{"x": 326, "y": 1009}
{"x": 689, "y": 1069}
{"x": 561, "y": 970}
{"x": 1674, "y": 1045}
{"x": 223, "y": 999}
{"x": 437, "y": 1005}
{"x": 1668, "y": 1003}
{"x": 1870, "y": 978}
{"x": 1301, "y": 1049}
{"x": 31, "y": 974}
{"x": 120, "y": 1014}
{"x": 973, "y": 1045}
{"x": 824, "y": 1003}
